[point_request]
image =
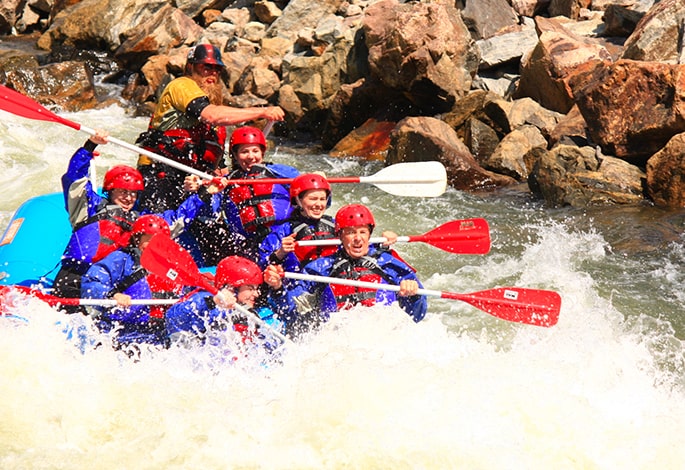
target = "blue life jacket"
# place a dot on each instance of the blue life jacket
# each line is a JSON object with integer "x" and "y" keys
{"x": 380, "y": 264}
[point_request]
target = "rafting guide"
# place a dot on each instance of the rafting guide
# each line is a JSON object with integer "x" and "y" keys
{"x": 188, "y": 126}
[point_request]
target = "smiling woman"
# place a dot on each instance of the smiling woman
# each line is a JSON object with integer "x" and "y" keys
{"x": 310, "y": 196}
{"x": 124, "y": 198}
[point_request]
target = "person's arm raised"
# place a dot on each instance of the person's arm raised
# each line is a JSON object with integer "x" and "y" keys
{"x": 228, "y": 115}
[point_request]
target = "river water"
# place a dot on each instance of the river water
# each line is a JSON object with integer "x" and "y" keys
{"x": 603, "y": 389}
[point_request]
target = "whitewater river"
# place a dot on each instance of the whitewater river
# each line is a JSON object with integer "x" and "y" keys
{"x": 603, "y": 389}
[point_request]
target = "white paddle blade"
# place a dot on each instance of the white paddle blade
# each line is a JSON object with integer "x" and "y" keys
{"x": 417, "y": 179}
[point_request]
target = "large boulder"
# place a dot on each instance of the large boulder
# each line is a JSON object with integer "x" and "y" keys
{"x": 316, "y": 79}
{"x": 370, "y": 141}
{"x": 417, "y": 139}
{"x": 487, "y": 18}
{"x": 666, "y": 174}
{"x": 359, "y": 103}
{"x": 632, "y": 108}
{"x": 657, "y": 35}
{"x": 167, "y": 29}
{"x": 301, "y": 14}
{"x": 510, "y": 155}
{"x": 580, "y": 176}
{"x": 97, "y": 24}
{"x": 66, "y": 86}
{"x": 421, "y": 49}
{"x": 545, "y": 72}
{"x": 14, "y": 59}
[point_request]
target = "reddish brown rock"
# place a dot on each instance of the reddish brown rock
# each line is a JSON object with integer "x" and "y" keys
{"x": 416, "y": 139}
{"x": 656, "y": 35}
{"x": 66, "y": 86}
{"x": 370, "y": 141}
{"x": 558, "y": 56}
{"x": 666, "y": 174}
{"x": 632, "y": 108}
{"x": 579, "y": 177}
{"x": 435, "y": 68}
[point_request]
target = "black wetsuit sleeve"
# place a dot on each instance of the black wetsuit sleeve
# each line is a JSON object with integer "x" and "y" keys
{"x": 90, "y": 145}
{"x": 209, "y": 302}
{"x": 204, "y": 195}
{"x": 195, "y": 107}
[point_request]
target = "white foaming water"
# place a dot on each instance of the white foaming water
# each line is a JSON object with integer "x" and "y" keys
{"x": 34, "y": 154}
{"x": 371, "y": 390}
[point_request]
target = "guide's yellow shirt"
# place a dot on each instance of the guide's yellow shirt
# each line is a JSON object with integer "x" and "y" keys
{"x": 171, "y": 110}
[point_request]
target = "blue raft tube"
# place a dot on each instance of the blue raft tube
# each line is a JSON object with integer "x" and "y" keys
{"x": 33, "y": 242}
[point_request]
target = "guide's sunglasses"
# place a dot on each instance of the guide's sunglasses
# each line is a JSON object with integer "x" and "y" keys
{"x": 207, "y": 69}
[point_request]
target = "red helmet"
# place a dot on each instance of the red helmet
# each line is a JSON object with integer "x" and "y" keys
{"x": 307, "y": 182}
{"x": 247, "y": 135}
{"x": 150, "y": 225}
{"x": 205, "y": 54}
{"x": 353, "y": 215}
{"x": 123, "y": 177}
{"x": 236, "y": 271}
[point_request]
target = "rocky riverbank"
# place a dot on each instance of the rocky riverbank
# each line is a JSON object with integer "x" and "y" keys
{"x": 582, "y": 100}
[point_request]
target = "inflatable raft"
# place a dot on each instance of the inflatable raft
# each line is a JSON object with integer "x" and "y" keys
{"x": 34, "y": 240}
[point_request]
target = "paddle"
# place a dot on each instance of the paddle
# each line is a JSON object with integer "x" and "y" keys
{"x": 55, "y": 301}
{"x": 417, "y": 179}
{"x": 422, "y": 179}
{"x": 464, "y": 237}
{"x": 515, "y": 304}
{"x": 167, "y": 259}
{"x": 267, "y": 129}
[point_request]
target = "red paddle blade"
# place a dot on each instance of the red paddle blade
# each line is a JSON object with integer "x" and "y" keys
{"x": 531, "y": 306}
{"x": 169, "y": 260}
{"x": 465, "y": 237}
{"x": 16, "y": 103}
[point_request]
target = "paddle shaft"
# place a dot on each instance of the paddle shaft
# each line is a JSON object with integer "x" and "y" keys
{"x": 354, "y": 283}
{"x": 19, "y": 104}
{"x": 53, "y": 300}
{"x": 154, "y": 156}
{"x": 530, "y": 306}
{"x": 108, "y": 302}
{"x": 335, "y": 180}
{"x": 267, "y": 129}
{"x": 400, "y": 239}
